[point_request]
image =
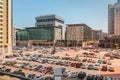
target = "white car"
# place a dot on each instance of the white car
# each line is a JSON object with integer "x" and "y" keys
{"x": 111, "y": 68}
{"x": 73, "y": 74}
{"x": 38, "y": 77}
{"x": 84, "y": 66}
{"x": 66, "y": 73}
{"x": 97, "y": 66}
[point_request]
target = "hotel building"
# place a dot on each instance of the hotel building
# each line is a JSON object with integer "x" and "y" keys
{"x": 5, "y": 26}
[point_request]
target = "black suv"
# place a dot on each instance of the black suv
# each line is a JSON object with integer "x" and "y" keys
{"x": 104, "y": 68}
{"x": 81, "y": 75}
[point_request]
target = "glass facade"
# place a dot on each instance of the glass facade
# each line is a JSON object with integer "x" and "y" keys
{"x": 118, "y": 0}
{"x": 41, "y": 34}
{"x": 22, "y": 35}
{"x": 35, "y": 34}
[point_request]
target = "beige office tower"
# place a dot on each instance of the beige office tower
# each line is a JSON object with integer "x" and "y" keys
{"x": 117, "y": 19}
{"x": 5, "y": 26}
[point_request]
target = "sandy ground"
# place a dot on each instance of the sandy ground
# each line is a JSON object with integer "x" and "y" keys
{"x": 7, "y": 78}
{"x": 72, "y": 53}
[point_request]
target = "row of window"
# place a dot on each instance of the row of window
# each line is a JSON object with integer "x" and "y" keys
{"x": 45, "y": 25}
{"x": 51, "y": 19}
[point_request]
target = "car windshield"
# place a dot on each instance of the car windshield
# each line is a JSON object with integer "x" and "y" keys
{"x": 73, "y": 72}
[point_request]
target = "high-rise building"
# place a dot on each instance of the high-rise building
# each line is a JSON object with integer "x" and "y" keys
{"x": 114, "y": 19}
{"x": 50, "y": 21}
{"x": 14, "y": 36}
{"x": 5, "y": 26}
{"x": 117, "y": 19}
{"x": 110, "y": 19}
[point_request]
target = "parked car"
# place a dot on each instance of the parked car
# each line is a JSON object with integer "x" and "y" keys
{"x": 84, "y": 60}
{"x": 67, "y": 63}
{"x": 84, "y": 66}
{"x": 49, "y": 78}
{"x": 98, "y": 77}
{"x": 66, "y": 73}
{"x": 89, "y": 60}
{"x": 81, "y": 75}
{"x": 93, "y": 61}
{"x": 99, "y": 61}
{"x": 78, "y": 65}
{"x": 108, "y": 78}
{"x": 19, "y": 72}
{"x": 38, "y": 77}
{"x": 111, "y": 68}
{"x": 8, "y": 70}
{"x": 109, "y": 63}
{"x": 90, "y": 67}
{"x": 73, "y": 74}
{"x": 97, "y": 66}
{"x": 90, "y": 77}
{"x": 104, "y": 68}
{"x": 51, "y": 71}
{"x": 117, "y": 78}
{"x": 38, "y": 68}
{"x": 73, "y": 64}
{"x": 104, "y": 62}
{"x": 31, "y": 76}
{"x": 48, "y": 69}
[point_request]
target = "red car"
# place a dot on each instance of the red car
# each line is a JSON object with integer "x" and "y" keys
{"x": 108, "y": 55}
{"x": 73, "y": 64}
{"x": 48, "y": 69}
{"x": 15, "y": 55}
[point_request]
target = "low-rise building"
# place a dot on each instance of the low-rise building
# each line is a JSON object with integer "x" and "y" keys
{"x": 111, "y": 42}
{"x": 97, "y": 35}
{"x": 78, "y": 33}
{"x": 38, "y": 36}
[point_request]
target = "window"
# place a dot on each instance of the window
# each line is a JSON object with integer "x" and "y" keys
{"x": 0, "y": 3}
{"x": 0, "y": 33}
{"x": 0, "y": 37}
{"x": 0, "y": 46}
{"x": 1, "y": 20}
{"x": 1, "y": 7}
{"x": 1, "y": 16}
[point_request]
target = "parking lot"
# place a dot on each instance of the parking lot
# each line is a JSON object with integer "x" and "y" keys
{"x": 43, "y": 63}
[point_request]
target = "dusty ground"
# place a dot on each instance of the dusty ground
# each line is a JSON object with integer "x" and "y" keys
{"x": 72, "y": 53}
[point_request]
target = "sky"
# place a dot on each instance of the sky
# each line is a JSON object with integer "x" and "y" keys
{"x": 94, "y": 13}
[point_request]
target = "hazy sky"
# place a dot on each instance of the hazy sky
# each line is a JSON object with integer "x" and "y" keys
{"x": 94, "y": 13}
